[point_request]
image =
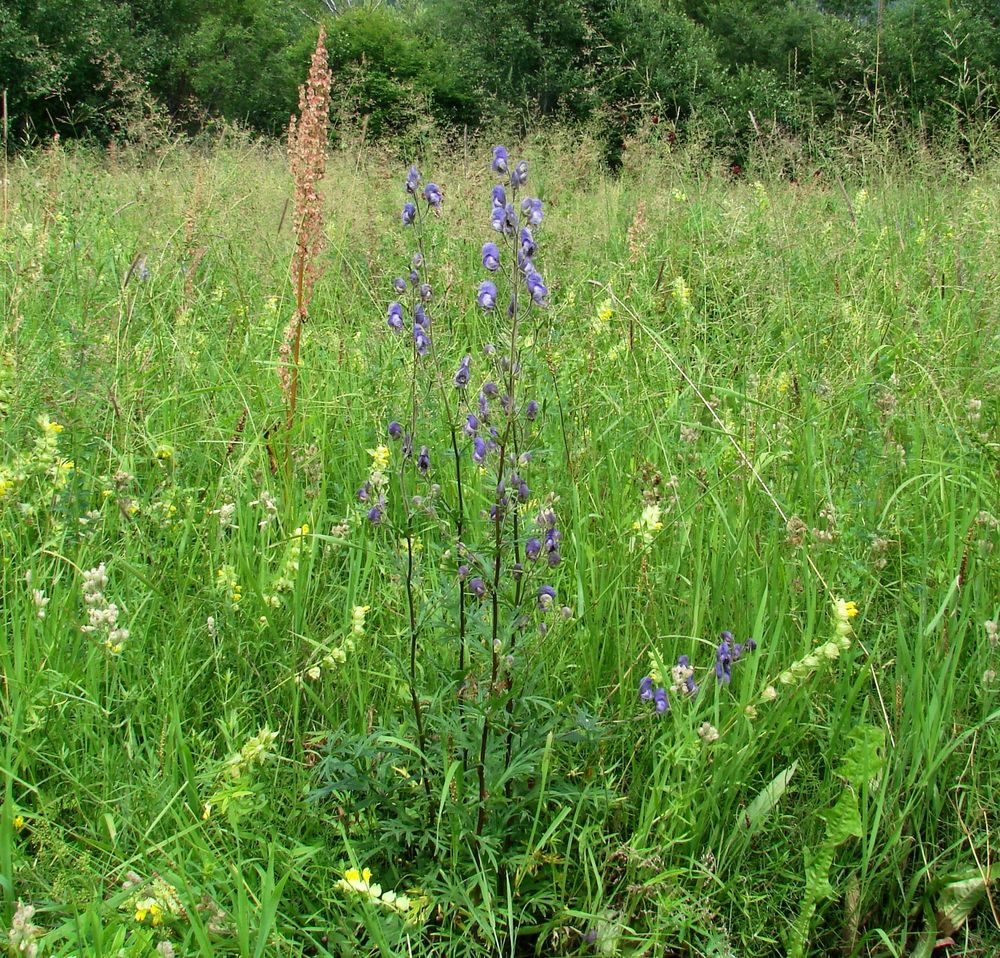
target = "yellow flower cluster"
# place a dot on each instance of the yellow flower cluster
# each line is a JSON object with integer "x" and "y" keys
{"x": 285, "y": 581}
{"x": 226, "y": 580}
{"x": 360, "y": 883}
{"x": 682, "y": 292}
{"x": 149, "y": 908}
{"x": 380, "y": 457}
{"x": 43, "y": 464}
{"x": 649, "y": 523}
{"x": 152, "y": 903}
{"x": 256, "y": 751}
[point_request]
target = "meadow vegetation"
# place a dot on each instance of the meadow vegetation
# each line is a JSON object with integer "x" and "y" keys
{"x": 235, "y": 716}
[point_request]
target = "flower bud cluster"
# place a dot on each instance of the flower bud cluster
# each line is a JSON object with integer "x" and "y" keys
{"x": 285, "y": 580}
{"x": 826, "y": 653}
{"x": 102, "y": 615}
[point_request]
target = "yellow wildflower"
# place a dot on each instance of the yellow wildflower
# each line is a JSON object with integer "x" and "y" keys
{"x": 18, "y": 822}
{"x": 149, "y": 908}
{"x": 380, "y": 457}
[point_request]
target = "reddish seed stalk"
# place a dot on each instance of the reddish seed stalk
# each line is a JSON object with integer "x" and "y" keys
{"x": 307, "y": 140}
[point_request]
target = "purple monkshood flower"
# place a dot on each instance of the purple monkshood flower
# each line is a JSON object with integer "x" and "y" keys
{"x": 500, "y": 158}
{"x": 487, "y": 297}
{"x": 499, "y": 197}
{"x": 420, "y": 317}
{"x": 409, "y": 214}
{"x": 479, "y": 451}
{"x": 546, "y": 597}
{"x": 375, "y": 513}
{"x": 519, "y": 175}
{"x": 471, "y": 425}
{"x": 531, "y": 410}
{"x": 414, "y": 277}
{"x": 536, "y": 288}
{"x": 424, "y": 460}
{"x": 407, "y": 446}
{"x": 477, "y": 587}
{"x": 484, "y": 407}
{"x": 646, "y": 689}
{"x": 421, "y": 340}
{"x": 532, "y": 208}
{"x": 395, "y": 430}
{"x": 395, "y": 319}
{"x": 747, "y": 646}
{"x": 412, "y": 179}
{"x": 417, "y": 260}
{"x": 724, "y": 659}
{"x": 504, "y": 219}
{"x": 523, "y": 492}
{"x": 364, "y": 493}
{"x": 426, "y": 293}
{"x": 463, "y": 571}
{"x": 399, "y": 284}
{"x": 527, "y": 242}
{"x": 462, "y": 376}
{"x": 661, "y": 700}
{"x": 491, "y": 389}
{"x": 533, "y": 548}
{"x": 432, "y": 193}
{"x": 491, "y": 257}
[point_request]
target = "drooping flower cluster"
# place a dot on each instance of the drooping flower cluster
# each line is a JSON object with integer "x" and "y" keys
{"x": 515, "y": 224}
{"x": 102, "y": 615}
{"x": 727, "y": 653}
{"x": 828, "y": 652}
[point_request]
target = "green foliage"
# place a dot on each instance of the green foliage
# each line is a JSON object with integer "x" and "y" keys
{"x": 796, "y": 67}
{"x": 840, "y": 335}
{"x": 859, "y": 766}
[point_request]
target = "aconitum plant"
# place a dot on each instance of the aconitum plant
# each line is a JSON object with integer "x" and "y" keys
{"x": 472, "y": 493}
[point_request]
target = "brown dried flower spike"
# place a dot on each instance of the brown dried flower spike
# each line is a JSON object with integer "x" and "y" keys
{"x": 307, "y": 140}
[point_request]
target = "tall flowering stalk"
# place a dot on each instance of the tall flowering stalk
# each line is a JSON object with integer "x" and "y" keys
{"x": 480, "y": 401}
{"x": 307, "y": 141}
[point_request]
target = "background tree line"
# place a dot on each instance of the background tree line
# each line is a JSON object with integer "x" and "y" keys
{"x": 88, "y": 67}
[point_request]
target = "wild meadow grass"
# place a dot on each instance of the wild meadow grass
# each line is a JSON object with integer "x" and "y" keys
{"x": 760, "y": 396}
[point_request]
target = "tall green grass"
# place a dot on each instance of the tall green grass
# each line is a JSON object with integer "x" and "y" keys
{"x": 813, "y": 377}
